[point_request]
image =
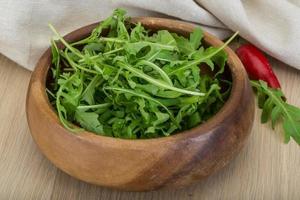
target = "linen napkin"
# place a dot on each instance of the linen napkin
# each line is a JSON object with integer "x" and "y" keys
{"x": 272, "y": 25}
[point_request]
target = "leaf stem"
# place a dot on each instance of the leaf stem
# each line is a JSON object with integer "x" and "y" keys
{"x": 116, "y": 40}
{"x": 110, "y": 52}
{"x": 75, "y": 51}
{"x": 158, "y": 69}
{"x": 158, "y": 82}
{"x": 103, "y": 105}
{"x": 50, "y": 93}
{"x": 76, "y": 66}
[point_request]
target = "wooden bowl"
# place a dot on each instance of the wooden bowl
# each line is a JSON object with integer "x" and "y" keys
{"x": 144, "y": 164}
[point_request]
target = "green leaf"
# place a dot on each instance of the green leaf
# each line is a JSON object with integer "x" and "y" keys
{"x": 267, "y": 109}
{"x": 164, "y": 76}
{"x": 164, "y": 37}
{"x": 220, "y": 59}
{"x": 55, "y": 62}
{"x": 261, "y": 98}
{"x": 275, "y": 106}
{"x": 196, "y": 37}
{"x": 161, "y": 118}
{"x": 294, "y": 111}
{"x": 208, "y": 54}
{"x": 184, "y": 45}
{"x": 134, "y": 48}
{"x": 275, "y": 114}
{"x": 138, "y": 33}
{"x": 88, "y": 93}
{"x": 194, "y": 119}
{"x": 141, "y": 102}
{"x": 89, "y": 121}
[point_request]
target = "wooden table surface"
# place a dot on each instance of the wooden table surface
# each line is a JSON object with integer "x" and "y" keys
{"x": 265, "y": 169}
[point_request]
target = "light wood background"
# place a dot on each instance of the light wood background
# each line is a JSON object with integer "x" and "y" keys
{"x": 265, "y": 169}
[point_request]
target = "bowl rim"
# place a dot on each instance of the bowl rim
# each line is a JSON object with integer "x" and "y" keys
{"x": 37, "y": 86}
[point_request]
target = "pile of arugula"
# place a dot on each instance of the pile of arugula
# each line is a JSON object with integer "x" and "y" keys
{"x": 132, "y": 83}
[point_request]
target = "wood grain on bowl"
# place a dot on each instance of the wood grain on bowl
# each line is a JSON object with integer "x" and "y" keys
{"x": 144, "y": 164}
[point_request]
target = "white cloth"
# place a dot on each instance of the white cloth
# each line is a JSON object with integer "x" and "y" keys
{"x": 272, "y": 25}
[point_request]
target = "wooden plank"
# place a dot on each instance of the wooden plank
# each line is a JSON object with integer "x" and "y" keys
{"x": 24, "y": 172}
{"x": 266, "y": 169}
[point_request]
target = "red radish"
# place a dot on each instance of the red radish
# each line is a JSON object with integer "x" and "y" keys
{"x": 257, "y": 65}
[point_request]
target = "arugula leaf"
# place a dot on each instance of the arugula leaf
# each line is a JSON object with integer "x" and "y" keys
{"x": 55, "y": 62}
{"x": 196, "y": 37}
{"x": 274, "y": 107}
{"x": 209, "y": 53}
{"x": 89, "y": 121}
{"x": 184, "y": 45}
{"x": 88, "y": 93}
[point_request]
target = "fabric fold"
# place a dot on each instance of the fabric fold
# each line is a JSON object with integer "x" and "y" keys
{"x": 272, "y": 25}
